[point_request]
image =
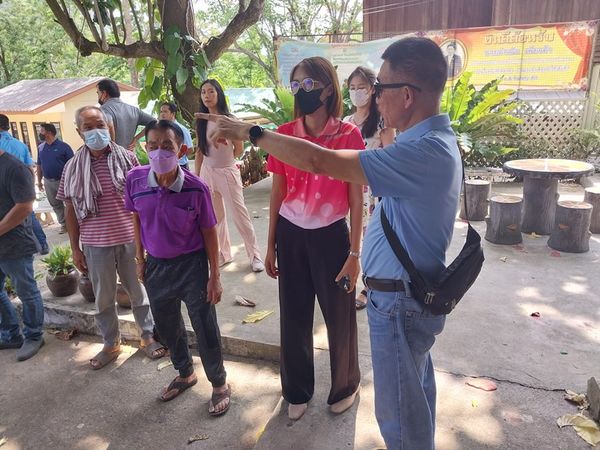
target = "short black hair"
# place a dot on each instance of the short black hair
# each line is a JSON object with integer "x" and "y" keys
{"x": 164, "y": 125}
{"x": 110, "y": 87}
{"x": 49, "y": 127}
{"x": 172, "y": 106}
{"x": 421, "y": 59}
{"x": 4, "y": 122}
{"x": 452, "y": 44}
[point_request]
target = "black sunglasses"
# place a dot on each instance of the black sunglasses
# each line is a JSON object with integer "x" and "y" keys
{"x": 379, "y": 87}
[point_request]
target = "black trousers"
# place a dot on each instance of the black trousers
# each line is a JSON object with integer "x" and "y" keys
{"x": 308, "y": 262}
{"x": 168, "y": 282}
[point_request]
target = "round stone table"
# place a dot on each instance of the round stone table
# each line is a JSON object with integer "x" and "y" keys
{"x": 540, "y": 185}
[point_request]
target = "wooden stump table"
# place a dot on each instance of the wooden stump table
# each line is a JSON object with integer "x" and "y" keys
{"x": 592, "y": 196}
{"x": 540, "y": 186}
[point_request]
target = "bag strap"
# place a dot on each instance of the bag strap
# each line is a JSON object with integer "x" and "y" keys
{"x": 397, "y": 246}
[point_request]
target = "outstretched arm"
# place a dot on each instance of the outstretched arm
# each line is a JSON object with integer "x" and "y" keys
{"x": 340, "y": 164}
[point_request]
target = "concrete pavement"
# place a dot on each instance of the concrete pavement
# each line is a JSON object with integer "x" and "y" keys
{"x": 490, "y": 334}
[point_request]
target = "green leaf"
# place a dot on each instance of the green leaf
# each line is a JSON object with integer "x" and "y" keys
{"x": 149, "y": 76}
{"x": 140, "y": 64}
{"x": 461, "y": 96}
{"x": 181, "y": 77}
{"x": 173, "y": 64}
{"x": 172, "y": 43}
{"x": 143, "y": 98}
{"x": 157, "y": 86}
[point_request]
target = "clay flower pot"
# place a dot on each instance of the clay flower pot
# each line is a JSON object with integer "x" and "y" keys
{"x": 63, "y": 285}
{"x": 86, "y": 288}
{"x": 123, "y": 299}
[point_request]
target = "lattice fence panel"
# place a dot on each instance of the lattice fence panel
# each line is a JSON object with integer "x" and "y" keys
{"x": 552, "y": 120}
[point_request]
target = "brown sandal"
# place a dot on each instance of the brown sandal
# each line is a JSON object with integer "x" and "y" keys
{"x": 180, "y": 386}
{"x": 359, "y": 303}
{"x": 154, "y": 347}
{"x": 218, "y": 397}
{"x": 103, "y": 358}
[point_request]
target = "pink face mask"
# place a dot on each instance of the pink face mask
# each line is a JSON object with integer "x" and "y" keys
{"x": 162, "y": 161}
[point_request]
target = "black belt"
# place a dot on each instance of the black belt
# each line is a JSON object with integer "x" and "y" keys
{"x": 384, "y": 285}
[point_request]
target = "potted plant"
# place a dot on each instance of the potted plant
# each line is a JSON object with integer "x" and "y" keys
{"x": 62, "y": 277}
{"x": 87, "y": 290}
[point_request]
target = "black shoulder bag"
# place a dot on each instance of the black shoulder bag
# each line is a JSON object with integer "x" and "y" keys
{"x": 441, "y": 296}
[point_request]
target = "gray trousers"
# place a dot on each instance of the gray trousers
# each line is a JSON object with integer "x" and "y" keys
{"x": 51, "y": 187}
{"x": 103, "y": 265}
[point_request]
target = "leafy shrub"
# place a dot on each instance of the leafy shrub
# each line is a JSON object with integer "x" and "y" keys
{"x": 482, "y": 120}
{"x": 59, "y": 261}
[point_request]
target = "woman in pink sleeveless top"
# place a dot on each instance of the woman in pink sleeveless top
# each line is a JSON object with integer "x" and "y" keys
{"x": 215, "y": 164}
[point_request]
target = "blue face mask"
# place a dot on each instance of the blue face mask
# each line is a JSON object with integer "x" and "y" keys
{"x": 97, "y": 139}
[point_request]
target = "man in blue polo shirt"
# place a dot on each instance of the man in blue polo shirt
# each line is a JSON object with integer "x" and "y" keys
{"x": 177, "y": 258}
{"x": 20, "y": 151}
{"x": 418, "y": 177}
{"x": 53, "y": 154}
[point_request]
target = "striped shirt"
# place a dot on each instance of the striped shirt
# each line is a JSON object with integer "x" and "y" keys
{"x": 113, "y": 225}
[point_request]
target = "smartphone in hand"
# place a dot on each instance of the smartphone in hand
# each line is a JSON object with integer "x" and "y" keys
{"x": 344, "y": 283}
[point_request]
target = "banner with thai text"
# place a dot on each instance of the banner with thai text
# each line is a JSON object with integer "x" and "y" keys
{"x": 549, "y": 56}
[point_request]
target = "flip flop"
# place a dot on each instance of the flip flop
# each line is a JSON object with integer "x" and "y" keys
{"x": 151, "y": 348}
{"x": 361, "y": 305}
{"x": 175, "y": 384}
{"x": 217, "y": 398}
{"x": 103, "y": 358}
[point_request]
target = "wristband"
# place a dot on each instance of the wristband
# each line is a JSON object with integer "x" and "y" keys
{"x": 355, "y": 254}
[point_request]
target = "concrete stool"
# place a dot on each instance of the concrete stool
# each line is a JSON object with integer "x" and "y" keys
{"x": 504, "y": 221}
{"x": 592, "y": 196}
{"x": 571, "y": 231}
{"x": 476, "y": 193}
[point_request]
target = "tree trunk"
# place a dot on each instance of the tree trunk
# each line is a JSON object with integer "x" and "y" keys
{"x": 476, "y": 197}
{"x": 127, "y": 23}
{"x": 571, "y": 231}
{"x": 592, "y": 196}
{"x": 504, "y": 221}
{"x": 539, "y": 205}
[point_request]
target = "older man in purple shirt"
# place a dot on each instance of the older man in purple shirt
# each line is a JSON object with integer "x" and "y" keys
{"x": 177, "y": 258}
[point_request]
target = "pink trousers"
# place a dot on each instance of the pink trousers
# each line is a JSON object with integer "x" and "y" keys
{"x": 227, "y": 192}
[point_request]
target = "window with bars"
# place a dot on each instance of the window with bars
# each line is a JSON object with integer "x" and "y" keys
{"x": 25, "y": 134}
{"x": 14, "y": 130}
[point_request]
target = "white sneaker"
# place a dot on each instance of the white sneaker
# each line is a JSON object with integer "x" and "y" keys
{"x": 223, "y": 262}
{"x": 257, "y": 264}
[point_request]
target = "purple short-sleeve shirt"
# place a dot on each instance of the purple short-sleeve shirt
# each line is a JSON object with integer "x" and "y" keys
{"x": 171, "y": 218}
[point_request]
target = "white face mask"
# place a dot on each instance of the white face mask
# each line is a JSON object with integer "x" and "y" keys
{"x": 359, "y": 97}
{"x": 96, "y": 139}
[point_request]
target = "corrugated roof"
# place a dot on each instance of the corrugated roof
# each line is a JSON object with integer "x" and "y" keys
{"x": 33, "y": 96}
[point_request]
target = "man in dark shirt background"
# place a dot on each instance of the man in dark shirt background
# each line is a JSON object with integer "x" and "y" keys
{"x": 53, "y": 154}
{"x": 17, "y": 246}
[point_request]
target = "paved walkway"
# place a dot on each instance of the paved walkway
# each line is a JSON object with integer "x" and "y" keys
{"x": 491, "y": 334}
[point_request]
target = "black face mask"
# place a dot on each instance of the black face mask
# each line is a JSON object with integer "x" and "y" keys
{"x": 42, "y": 137}
{"x": 309, "y": 102}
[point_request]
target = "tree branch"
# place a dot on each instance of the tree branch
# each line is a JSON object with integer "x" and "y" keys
{"x": 86, "y": 47}
{"x": 137, "y": 22}
{"x": 3, "y": 63}
{"x": 88, "y": 20}
{"x": 254, "y": 57}
{"x": 244, "y": 18}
